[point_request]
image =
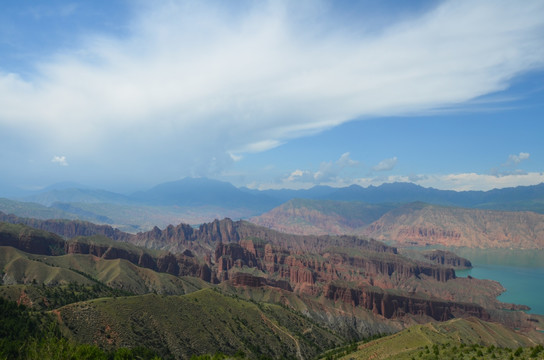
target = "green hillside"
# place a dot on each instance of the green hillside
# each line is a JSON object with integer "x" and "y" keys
{"x": 34, "y": 210}
{"x": 22, "y": 268}
{"x": 454, "y": 339}
{"x": 203, "y": 322}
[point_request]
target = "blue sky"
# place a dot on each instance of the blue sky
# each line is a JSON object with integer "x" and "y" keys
{"x": 280, "y": 94}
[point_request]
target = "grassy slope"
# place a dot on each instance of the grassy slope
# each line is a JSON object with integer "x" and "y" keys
{"x": 202, "y": 322}
{"x": 21, "y": 268}
{"x": 414, "y": 342}
{"x": 19, "y": 230}
{"x": 29, "y": 209}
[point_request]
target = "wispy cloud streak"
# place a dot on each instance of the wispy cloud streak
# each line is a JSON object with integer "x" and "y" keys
{"x": 198, "y": 78}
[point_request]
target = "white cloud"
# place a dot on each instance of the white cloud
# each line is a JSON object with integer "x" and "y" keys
{"x": 346, "y": 161}
{"x": 516, "y": 159}
{"x": 301, "y": 176}
{"x": 386, "y": 165}
{"x": 194, "y": 78}
{"x": 459, "y": 182}
{"x": 61, "y": 160}
{"x": 328, "y": 171}
{"x": 510, "y": 166}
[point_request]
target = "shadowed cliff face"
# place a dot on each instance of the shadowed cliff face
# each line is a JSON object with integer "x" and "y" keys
{"x": 447, "y": 258}
{"x": 43, "y": 243}
{"x": 396, "y": 306}
{"x": 243, "y": 279}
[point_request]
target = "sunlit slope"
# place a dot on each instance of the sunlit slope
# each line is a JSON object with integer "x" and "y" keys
{"x": 445, "y": 340}
{"x": 202, "y": 322}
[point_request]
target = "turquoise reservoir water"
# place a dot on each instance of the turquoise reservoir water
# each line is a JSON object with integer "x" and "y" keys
{"x": 524, "y": 285}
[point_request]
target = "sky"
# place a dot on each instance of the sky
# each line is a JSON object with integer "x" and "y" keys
{"x": 123, "y": 95}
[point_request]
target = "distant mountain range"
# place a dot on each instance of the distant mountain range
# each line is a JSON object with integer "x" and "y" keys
{"x": 524, "y": 198}
{"x": 198, "y": 200}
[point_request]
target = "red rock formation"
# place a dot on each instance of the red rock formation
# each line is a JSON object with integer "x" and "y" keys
{"x": 366, "y": 262}
{"x": 447, "y": 258}
{"x": 389, "y": 265}
{"x": 244, "y": 279}
{"x": 395, "y": 306}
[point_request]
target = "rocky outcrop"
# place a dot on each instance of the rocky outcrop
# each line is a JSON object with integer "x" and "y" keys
{"x": 395, "y": 306}
{"x": 293, "y": 269}
{"x": 244, "y": 279}
{"x": 447, "y": 258}
{"x": 388, "y": 266}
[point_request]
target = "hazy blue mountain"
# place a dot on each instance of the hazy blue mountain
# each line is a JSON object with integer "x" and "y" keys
{"x": 529, "y": 198}
{"x": 396, "y": 192}
{"x": 64, "y": 185}
{"x": 521, "y": 198}
{"x": 203, "y": 191}
{"x": 29, "y": 209}
{"x": 54, "y": 195}
{"x": 284, "y": 195}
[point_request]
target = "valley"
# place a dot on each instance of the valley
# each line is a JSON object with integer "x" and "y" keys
{"x": 243, "y": 281}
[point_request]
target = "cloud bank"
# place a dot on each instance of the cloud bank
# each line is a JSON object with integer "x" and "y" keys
{"x": 460, "y": 181}
{"x": 196, "y": 85}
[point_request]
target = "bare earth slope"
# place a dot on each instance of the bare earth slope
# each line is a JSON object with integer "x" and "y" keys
{"x": 321, "y": 217}
{"x": 420, "y": 224}
{"x": 414, "y": 224}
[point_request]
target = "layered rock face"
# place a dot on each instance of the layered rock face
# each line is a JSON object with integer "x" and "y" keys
{"x": 33, "y": 241}
{"x": 435, "y": 225}
{"x": 396, "y": 306}
{"x": 243, "y": 279}
{"x": 447, "y": 258}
